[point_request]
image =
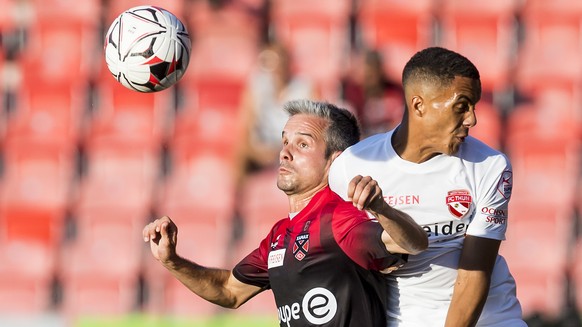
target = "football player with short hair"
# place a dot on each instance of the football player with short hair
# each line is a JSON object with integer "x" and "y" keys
{"x": 325, "y": 261}
{"x": 454, "y": 186}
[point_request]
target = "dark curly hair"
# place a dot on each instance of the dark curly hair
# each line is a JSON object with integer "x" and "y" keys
{"x": 439, "y": 66}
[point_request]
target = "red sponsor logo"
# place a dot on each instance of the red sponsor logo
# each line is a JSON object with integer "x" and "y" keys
{"x": 395, "y": 200}
{"x": 459, "y": 202}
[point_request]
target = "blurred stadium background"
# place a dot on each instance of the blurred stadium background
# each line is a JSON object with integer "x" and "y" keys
{"x": 86, "y": 163}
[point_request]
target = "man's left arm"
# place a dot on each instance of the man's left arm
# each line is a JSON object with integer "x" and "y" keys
{"x": 474, "y": 278}
{"x": 401, "y": 233}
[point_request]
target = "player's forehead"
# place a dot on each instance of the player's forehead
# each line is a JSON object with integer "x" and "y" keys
{"x": 306, "y": 125}
{"x": 456, "y": 89}
{"x": 465, "y": 88}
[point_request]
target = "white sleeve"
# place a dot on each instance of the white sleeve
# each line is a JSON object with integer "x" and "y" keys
{"x": 492, "y": 203}
{"x": 338, "y": 179}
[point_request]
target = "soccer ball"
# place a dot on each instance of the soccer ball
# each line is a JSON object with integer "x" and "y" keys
{"x": 147, "y": 49}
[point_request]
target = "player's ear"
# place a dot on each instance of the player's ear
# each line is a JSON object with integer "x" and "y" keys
{"x": 417, "y": 105}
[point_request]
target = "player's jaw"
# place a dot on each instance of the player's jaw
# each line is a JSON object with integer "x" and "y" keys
{"x": 458, "y": 137}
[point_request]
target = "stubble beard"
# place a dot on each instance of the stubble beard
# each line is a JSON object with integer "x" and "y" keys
{"x": 285, "y": 185}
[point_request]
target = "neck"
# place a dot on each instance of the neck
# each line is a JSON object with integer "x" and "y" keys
{"x": 298, "y": 202}
{"x": 408, "y": 143}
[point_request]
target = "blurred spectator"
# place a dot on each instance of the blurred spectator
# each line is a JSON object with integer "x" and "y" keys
{"x": 377, "y": 101}
{"x": 262, "y": 117}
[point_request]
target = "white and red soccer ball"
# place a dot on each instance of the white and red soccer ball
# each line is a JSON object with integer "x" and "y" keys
{"x": 147, "y": 49}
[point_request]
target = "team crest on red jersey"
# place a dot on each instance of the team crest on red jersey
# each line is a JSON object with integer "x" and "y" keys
{"x": 301, "y": 246}
{"x": 459, "y": 202}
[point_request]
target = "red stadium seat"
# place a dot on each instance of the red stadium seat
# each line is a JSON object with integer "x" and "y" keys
{"x": 223, "y": 56}
{"x": 553, "y": 115}
{"x": 34, "y": 195}
{"x": 92, "y": 224}
{"x": 486, "y": 33}
{"x": 56, "y": 67}
{"x": 237, "y": 19}
{"x": 118, "y": 179}
{"x": 211, "y": 92}
{"x": 540, "y": 292}
{"x": 36, "y": 178}
{"x": 263, "y": 205}
{"x": 397, "y": 28}
{"x": 216, "y": 130}
{"x": 7, "y": 19}
{"x": 99, "y": 295}
{"x": 488, "y": 128}
{"x": 258, "y": 189}
{"x": 41, "y": 226}
{"x": 208, "y": 93}
{"x": 289, "y": 16}
{"x": 99, "y": 268}
{"x": 47, "y": 117}
{"x": 317, "y": 36}
{"x": 545, "y": 173}
{"x": 552, "y": 45}
{"x": 194, "y": 183}
{"x": 85, "y": 11}
{"x": 61, "y": 53}
{"x": 126, "y": 119}
{"x": 101, "y": 277}
{"x": 536, "y": 232}
{"x": 555, "y": 8}
{"x": 26, "y": 274}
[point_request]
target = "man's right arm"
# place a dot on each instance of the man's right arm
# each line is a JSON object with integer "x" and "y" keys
{"x": 218, "y": 286}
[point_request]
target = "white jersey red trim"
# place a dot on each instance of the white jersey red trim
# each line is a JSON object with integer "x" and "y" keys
{"x": 449, "y": 196}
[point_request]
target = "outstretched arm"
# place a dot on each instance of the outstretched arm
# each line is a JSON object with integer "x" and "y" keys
{"x": 218, "y": 286}
{"x": 401, "y": 233}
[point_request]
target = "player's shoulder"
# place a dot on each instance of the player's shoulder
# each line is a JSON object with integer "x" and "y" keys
{"x": 360, "y": 158}
{"x": 280, "y": 226}
{"x": 477, "y": 152}
{"x": 371, "y": 141}
{"x": 372, "y": 147}
{"x": 345, "y": 210}
{"x": 334, "y": 202}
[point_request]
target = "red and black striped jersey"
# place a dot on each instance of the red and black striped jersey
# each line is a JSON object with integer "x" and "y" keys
{"x": 323, "y": 266}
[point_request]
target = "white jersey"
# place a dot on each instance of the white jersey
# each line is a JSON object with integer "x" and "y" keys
{"x": 449, "y": 196}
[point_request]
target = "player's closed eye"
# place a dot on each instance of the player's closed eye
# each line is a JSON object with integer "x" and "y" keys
{"x": 462, "y": 107}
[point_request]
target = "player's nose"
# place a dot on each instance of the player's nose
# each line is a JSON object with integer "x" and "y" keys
{"x": 470, "y": 118}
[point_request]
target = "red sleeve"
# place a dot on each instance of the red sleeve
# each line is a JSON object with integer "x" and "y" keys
{"x": 361, "y": 239}
{"x": 253, "y": 268}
